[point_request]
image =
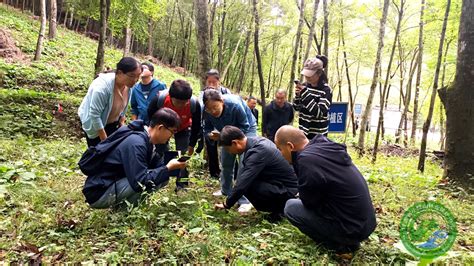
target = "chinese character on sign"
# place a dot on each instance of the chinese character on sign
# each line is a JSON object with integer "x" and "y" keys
{"x": 332, "y": 118}
{"x": 339, "y": 118}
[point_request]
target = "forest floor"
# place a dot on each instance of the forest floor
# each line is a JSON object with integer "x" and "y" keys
{"x": 43, "y": 216}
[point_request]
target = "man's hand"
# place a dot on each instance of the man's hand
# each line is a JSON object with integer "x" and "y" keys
{"x": 134, "y": 117}
{"x": 219, "y": 206}
{"x": 214, "y": 135}
{"x": 190, "y": 150}
{"x": 122, "y": 121}
{"x": 175, "y": 164}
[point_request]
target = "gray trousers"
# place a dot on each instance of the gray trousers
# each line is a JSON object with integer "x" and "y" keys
{"x": 118, "y": 193}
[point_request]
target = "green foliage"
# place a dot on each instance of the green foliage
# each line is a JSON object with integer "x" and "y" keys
{"x": 43, "y": 207}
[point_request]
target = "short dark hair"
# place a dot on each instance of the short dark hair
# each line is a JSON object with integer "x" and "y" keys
{"x": 127, "y": 64}
{"x": 211, "y": 95}
{"x": 230, "y": 133}
{"x": 251, "y": 98}
{"x": 180, "y": 90}
{"x": 149, "y": 65}
{"x": 166, "y": 117}
{"x": 214, "y": 73}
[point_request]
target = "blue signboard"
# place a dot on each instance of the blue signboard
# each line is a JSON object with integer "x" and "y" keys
{"x": 338, "y": 117}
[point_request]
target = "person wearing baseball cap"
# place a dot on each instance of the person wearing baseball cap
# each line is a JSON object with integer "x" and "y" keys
{"x": 313, "y": 98}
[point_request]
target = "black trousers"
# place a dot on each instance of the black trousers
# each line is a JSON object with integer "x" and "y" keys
{"x": 212, "y": 158}
{"x": 109, "y": 129}
{"x": 268, "y": 197}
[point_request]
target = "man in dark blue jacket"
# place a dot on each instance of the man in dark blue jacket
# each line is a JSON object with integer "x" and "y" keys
{"x": 264, "y": 177}
{"x": 131, "y": 167}
{"x": 144, "y": 92}
{"x": 334, "y": 206}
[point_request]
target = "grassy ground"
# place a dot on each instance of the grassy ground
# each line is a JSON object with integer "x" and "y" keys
{"x": 43, "y": 215}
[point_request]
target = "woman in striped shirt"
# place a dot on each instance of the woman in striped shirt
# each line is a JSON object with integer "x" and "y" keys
{"x": 313, "y": 98}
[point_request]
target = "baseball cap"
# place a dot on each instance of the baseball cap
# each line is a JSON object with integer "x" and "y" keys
{"x": 311, "y": 65}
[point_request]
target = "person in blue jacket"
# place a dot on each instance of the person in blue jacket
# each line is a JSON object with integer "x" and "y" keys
{"x": 102, "y": 110}
{"x": 132, "y": 167}
{"x": 220, "y": 111}
{"x": 144, "y": 92}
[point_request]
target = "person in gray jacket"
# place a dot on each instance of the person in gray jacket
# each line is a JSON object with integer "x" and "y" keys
{"x": 264, "y": 177}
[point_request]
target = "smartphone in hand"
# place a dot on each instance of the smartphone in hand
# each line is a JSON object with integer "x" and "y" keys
{"x": 183, "y": 159}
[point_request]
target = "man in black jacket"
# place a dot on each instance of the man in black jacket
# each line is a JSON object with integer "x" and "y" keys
{"x": 130, "y": 168}
{"x": 278, "y": 113}
{"x": 334, "y": 206}
{"x": 264, "y": 176}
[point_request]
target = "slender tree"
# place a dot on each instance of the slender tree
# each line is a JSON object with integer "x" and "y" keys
{"x": 375, "y": 78}
{"x": 418, "y": 76}
{"x": 295, "y": 49}
{"x": 39, "y": 43}
{"x": 400, "y": 10}
{"x": 427, "y": 124}
{"x": 99, "y": 62}
{"x": 257, "y": 51}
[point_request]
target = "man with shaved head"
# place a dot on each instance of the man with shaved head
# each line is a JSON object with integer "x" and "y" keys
{"x": 334, "y": 206}
{"x": 278, "y": 113}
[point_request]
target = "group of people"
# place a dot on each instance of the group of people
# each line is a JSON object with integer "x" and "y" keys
{"x": 288, "y": 172}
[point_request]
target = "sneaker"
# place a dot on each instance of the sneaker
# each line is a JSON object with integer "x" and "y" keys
{"x": 217, "y": 193}
{"x": 244, "y": 208}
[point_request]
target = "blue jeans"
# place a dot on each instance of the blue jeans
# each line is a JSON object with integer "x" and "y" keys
{"x": 118, "y": 192}
{"x": 227, "y": 174}
{"x": 321, "y": 229}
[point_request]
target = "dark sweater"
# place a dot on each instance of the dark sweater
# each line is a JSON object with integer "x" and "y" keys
{"x": 263, "y": 165}
{"x": 330, "y": 184}
{"x": 275, "y": 117}
{"x": 132, "y": 158}
{"x": 313, "y": 105}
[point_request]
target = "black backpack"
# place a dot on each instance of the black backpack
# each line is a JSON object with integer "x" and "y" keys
{"x": 93, "y": 158}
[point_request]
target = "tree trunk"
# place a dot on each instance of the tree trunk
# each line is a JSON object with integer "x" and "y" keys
{"x": 406, "y": 101}
{"x": 71, "y": 18}
{"x": 202, "y": 34}
{"x": 188, "y": 42}
{"x": 373, "y": 86}
{"x": 257, "y": 52}
{"x": 326, "y": 29}
{"x": 165, "y": 57}
{"x": 311, "y": 32}
{"x": 243, "y": 66}
{"x": 427, "y": 124}
{"x": 349, "y": 86}
{"x": 52, "y": 19}
{"x": 458, "y": 99}
{"x": 39, "y": 44}
{"x": 418, "y": 76}
{"x": 295, "y": 52}
{"x": 387, "y": 79}
{"x": 220, "y": 40}
{"x": 442, "y": 122}
{"x": 128, "y": 35}
{"x": 99, "y": 62}
{"x": 211, "y": 27}
{"x": 229, "y": 63}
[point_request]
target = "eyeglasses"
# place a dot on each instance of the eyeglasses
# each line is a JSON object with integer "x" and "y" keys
{"x": 173, "y": 131}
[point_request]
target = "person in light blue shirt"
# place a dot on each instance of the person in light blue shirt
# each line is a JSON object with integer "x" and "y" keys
{"x": 102, "y": 110}
{"x": 144, "y": 92}
{"x": 220, "y": 111}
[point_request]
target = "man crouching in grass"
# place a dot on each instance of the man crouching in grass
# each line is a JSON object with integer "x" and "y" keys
{"x": 264, "y": 176}
{"x": 131, "y": 167}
